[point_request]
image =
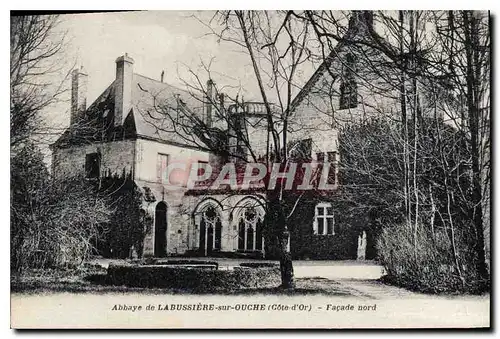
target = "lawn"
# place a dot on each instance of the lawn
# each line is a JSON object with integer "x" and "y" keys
{"x": 93, "y": 279}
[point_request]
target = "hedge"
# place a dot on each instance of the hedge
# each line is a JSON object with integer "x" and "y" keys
{"x": 200, "y": 280}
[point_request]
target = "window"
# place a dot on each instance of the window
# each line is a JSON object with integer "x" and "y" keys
{"x": 324, "y": 221}
{"x": 161, "y": 167}
{"x": 210, "y": 231}
{"x": 348, "y": 86}
{"x": 320, "y": 157}
{"x": 332, "y": 171}
{"x": 250, "y": 237}
{"x": 92, "y": 165}
{"x": 201, "y": 168}
{"x": 300, "y": 150}
{"x": 182, "y": 120}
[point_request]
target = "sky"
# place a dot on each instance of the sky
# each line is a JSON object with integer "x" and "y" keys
{"x": 170, "y": 41}
{"x": 159, "y": 40}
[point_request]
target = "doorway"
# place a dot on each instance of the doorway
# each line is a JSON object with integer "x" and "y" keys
{"x": 161, "y": 230}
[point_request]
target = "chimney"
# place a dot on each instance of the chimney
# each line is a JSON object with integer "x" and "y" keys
{"x": 162, "y": 75}
{"x": 210, "y": 102}
{"x": 123, "y": 88}
{"x": 360, "y": 22}
{"x": 78, "y": 95}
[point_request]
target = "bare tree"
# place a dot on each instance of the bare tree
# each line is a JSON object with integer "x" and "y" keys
{"x": 54, "y": 220}
{"x": 224, "y": 129}
{"x": 437, "y": 65}
{"x": 35, "y": 63}
{"x": 464, "y": 69}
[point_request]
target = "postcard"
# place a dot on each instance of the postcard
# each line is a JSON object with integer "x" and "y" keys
{"x": 250, "y": 169}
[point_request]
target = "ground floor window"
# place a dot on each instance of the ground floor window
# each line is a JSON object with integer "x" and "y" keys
{"x": 250, "y": 231}
{"x": 324, "y": 221}
{"x": 210, "y": 230}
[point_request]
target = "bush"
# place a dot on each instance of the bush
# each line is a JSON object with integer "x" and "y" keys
{"x": 196, "y": 280}
{"x": 425, "y": 261}
{"x": 54, "y": 220}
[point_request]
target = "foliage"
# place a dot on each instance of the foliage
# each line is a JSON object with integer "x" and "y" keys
{"x": 440, "y": 245}
{"x": 426, "y": 263}
{"x": 128, "y": 226}
{"x": 205, "y": 280}
{"x": 53, "y": 221}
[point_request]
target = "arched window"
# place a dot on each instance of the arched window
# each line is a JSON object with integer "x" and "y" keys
{"x": 210, "y": 231}
{"x": 324, "y": 220}
{"x": 250, "y": 230}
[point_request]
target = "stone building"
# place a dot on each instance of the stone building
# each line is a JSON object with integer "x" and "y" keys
{"x": 117, "y": 139}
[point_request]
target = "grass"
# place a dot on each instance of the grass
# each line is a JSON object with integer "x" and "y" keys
{"x": 94, "y": 280}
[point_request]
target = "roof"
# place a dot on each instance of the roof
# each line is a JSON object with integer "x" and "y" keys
{"x": 317, "y": 75}
{"x": 354, "y": 29}
{"x": 150, "y": 100}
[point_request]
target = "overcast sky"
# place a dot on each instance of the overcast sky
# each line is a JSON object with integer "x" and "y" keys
{"x": 159, "y": 40}
{"x": 172, "y": 41}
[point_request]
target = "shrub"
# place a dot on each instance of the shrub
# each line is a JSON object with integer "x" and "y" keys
{"x": 425, "y": 261}
{"x": 196, "y": 280}
{"x": 54, "y": 220}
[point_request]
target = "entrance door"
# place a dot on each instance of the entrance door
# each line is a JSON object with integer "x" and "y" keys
{"x": 161, "y": 230}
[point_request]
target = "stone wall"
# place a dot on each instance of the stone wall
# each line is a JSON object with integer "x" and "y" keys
{"x": 117, "y": 158}
{"x": 146, "y": 158}
{"x": 183, "y": 217}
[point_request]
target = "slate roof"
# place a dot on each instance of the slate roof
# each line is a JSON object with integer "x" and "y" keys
{"x": 148, "y": 95}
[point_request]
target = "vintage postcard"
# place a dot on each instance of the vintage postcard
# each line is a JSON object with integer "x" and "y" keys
{"x": 250, "y": 169}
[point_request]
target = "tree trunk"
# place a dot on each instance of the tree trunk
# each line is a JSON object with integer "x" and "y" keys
{"x": 286, "y": 266}
{"x": 473, "y": 101}
{"x": 278, "y": 224}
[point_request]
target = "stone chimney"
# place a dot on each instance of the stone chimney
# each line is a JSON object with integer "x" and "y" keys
{"x": 123, "y": 88}
{"x": 360, "y": 22}
{"x": 78, "y": 95}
